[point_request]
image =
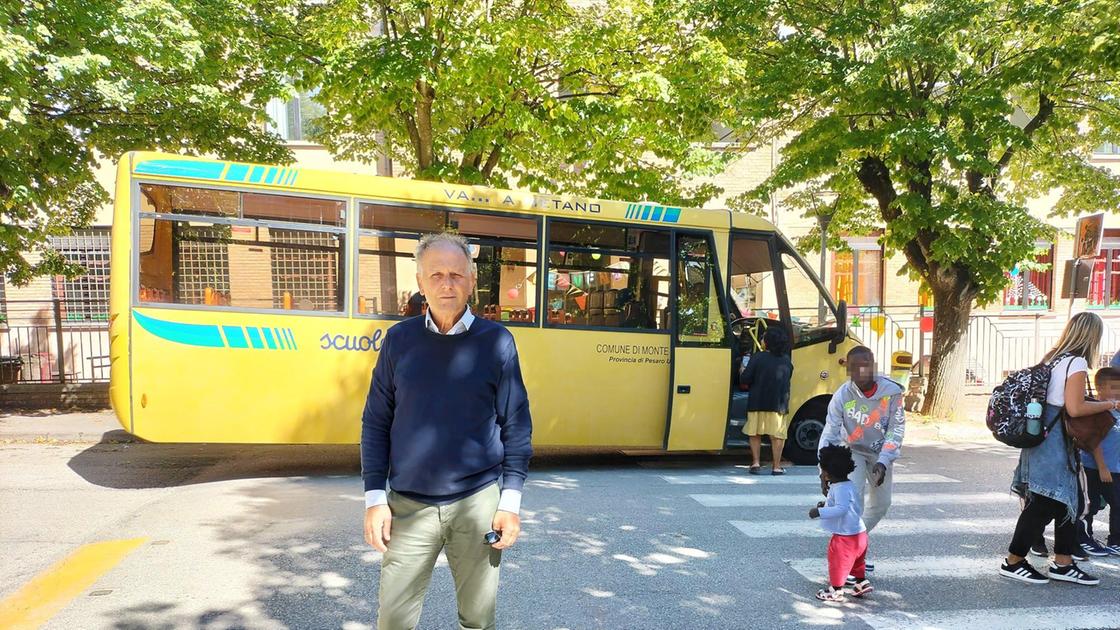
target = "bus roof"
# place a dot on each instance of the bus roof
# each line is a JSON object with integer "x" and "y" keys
{"x": 296, "y": 178}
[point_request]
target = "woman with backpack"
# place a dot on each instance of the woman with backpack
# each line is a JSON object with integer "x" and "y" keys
{"x": 1048, "y": 477}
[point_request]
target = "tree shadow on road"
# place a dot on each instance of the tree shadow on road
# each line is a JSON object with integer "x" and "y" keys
{"x": 588, "y": 558}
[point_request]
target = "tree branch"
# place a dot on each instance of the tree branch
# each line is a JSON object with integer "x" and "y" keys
{"x": 876, "y": 180}
{"x": 492, "y": 161}
{"x": 1045, "y": 111}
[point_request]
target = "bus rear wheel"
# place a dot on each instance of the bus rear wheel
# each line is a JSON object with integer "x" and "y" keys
{"x": 805, "y": 433}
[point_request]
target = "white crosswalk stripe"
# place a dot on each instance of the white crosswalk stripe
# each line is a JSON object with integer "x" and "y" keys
{"x": 799, "y": 479}
{"x": 1047, "y": 618}
{"x": 790, "y": 496}
{"x": 808, "y": 499}
{"x": 954, "y": 567}
{"x": 888, "y": 527}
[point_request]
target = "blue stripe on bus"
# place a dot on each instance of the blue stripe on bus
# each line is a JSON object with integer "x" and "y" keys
{"x": 235, "y": 336}
{"x": 672, "y": 215}
{"x": 268, "y": 338}
{"x": 656, "y": 213}
{"x": 279, "y": 339}
{"x": 255, "y": 176}
{"x": 281, "y": 176}
{"x": 237, "y": 172}
{"x": 182, "y": 168}
{"x": 645, "y": 212}
{"x": 292, "y": 338}
{"x": 268, "y": 179}
{"x": 255, "y": 337}
{"x": 205, "y": 335}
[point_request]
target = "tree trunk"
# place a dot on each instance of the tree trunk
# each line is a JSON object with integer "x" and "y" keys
{"x": 952, "y": 308}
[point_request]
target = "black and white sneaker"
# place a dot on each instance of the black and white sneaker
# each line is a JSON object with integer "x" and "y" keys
{"x": 1023, "y": 572}
{"x": 1113, "y": 550}
{"x": 1091, "y": 547}
{"x": 870, "y": 568}
{"x": 1071, "y": 573}
{"x": 1079, "y": 555}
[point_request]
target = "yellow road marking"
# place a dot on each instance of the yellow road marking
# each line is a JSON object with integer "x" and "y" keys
{"x": 46, "y": 594}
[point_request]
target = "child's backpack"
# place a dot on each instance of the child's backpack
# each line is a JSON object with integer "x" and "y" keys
{"x": 1007, "y": 409}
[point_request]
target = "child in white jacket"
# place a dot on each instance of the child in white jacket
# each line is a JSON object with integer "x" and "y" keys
{"x": 840, "y": 516}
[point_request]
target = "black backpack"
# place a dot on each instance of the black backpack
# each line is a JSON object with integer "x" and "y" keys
{"x": 1007, "y": 408}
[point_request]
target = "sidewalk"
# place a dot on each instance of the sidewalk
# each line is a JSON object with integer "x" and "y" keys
{"x": 89, "y": 427}
{"x": 959, "y": 432}
{"x": 60, "y": 427}
{"x": 967, "y": 427}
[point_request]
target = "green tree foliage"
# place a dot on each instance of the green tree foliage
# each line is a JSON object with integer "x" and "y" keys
{"x": 595, "y": 98}
{"x": 936, "y": 121}
{"x": 82, "y": 81}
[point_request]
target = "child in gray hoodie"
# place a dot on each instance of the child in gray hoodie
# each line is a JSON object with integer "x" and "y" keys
{"x": 867, "y": 415}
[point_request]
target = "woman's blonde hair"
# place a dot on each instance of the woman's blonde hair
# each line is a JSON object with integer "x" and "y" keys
{"x": 1081, "y": 337}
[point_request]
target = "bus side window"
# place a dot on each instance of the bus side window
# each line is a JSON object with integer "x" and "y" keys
{"x": 606, "y": 276}
{"x": 505, "y": 255}
{"x": 504, "y": 249}
{"x": 237, "y": 262}
{"x": 699, "y": 318}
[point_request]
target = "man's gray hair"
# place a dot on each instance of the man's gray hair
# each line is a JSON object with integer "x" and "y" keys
{"x": 445, "y": 238}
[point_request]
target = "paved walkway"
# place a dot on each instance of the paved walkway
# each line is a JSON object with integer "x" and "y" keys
{"x": 47, "y": 426}
{"x": 102, "y": 426}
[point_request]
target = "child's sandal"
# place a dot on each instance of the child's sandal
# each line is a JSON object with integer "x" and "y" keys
{"x": 831, "y": 595}
{"x": 861, "y": 588}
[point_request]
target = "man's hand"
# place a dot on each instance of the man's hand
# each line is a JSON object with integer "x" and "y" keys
{"x": 820, "y": 504}
{"x": 379, "y": 520}
{"x": 879, "y": 474}
{"x": 815, "y": 513}
{"x": 508, "y": 525}
{"x": 1106, "y": 475}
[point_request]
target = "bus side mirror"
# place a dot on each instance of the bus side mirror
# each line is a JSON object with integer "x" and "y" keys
{"x": 841, "y": 327}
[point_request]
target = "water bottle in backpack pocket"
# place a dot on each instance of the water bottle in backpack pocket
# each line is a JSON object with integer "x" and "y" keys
{"x": 1015, "y": 408}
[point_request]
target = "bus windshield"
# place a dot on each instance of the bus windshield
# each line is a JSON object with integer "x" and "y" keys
{"x": 811, "y": 312}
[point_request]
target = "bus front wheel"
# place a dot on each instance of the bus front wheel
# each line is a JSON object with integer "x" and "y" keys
{"x": 805, "y": 433}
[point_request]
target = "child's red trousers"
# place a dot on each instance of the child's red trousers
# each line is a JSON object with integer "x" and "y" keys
{"x": 847, "y": 556}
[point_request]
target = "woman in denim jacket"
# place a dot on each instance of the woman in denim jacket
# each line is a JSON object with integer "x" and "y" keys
{"x": 1049, "y": 476}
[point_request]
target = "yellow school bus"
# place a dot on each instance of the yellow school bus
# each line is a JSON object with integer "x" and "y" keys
{"x": 249, "y": 302}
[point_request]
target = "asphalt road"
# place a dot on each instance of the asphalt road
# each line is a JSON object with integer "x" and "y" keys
{"x": 270, "y": 537}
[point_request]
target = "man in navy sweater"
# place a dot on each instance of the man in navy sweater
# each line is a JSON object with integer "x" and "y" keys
{"x": 446, "y": 418}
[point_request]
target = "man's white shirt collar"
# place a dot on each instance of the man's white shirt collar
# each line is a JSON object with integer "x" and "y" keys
{"x": 460, "y": 327}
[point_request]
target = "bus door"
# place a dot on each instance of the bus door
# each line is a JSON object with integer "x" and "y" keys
{"x": 700, "y": 349}
{"x": 769, "y": 284}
